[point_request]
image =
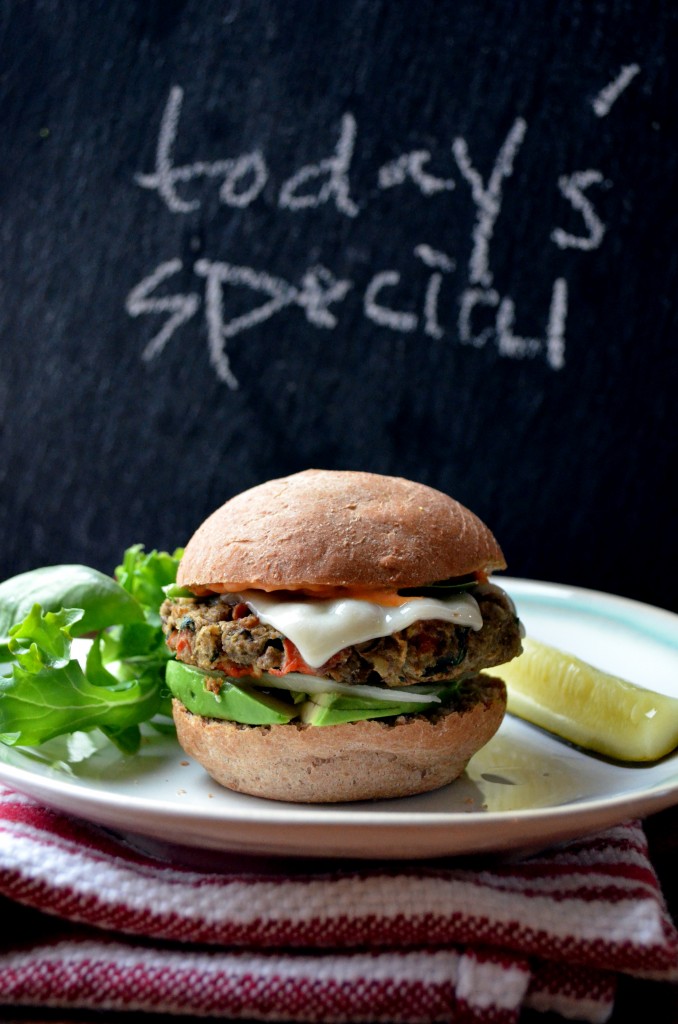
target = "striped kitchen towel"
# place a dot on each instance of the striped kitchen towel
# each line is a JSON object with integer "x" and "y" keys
{"x": 348, "y": 942}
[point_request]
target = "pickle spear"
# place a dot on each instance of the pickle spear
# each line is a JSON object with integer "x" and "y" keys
{"x": 588, "y": 707}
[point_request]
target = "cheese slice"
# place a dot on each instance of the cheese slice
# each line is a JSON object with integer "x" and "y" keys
{"x": 320, "y": 628}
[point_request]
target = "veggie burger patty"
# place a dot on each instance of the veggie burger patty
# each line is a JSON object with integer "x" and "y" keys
{"x": 220, "y": 631}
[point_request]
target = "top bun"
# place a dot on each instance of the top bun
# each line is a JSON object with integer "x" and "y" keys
{"x": 337, "y": 528}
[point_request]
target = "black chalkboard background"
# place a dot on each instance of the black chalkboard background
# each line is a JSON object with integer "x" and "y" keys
{"x": 428, "y": 239}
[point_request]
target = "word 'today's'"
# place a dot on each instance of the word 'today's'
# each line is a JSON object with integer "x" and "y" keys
{"x": 319, "y": 292}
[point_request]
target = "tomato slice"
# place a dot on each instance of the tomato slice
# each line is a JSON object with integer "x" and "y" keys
{"x": 293, "y": 662}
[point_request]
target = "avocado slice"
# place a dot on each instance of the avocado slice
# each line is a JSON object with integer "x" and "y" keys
{"x": 337, "y": 709}
{"x": 235, "y": 702}
{"x": 239, "y": 702}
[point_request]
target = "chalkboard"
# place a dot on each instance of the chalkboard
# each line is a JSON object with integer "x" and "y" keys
{"x": 428, "y": 239}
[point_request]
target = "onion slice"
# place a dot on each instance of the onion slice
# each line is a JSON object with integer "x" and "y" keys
{"x": 299, "y": 682}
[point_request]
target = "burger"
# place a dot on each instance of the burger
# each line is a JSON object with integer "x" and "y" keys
{"x": 329, "y": 630}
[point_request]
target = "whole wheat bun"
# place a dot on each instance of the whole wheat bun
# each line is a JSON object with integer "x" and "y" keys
{"x": 338, "y": 528}
{"x": 369, "y": 760}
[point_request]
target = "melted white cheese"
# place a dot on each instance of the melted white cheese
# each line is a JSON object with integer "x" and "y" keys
{"x": 320, "y": 628}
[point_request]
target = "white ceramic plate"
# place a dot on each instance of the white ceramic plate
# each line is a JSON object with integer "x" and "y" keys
{"x": 525, "y": 790}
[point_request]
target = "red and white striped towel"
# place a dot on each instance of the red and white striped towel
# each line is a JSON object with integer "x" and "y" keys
{"x": 397, "y": 942}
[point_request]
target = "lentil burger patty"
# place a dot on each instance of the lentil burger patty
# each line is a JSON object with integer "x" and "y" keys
{"x": 220, "y": 632}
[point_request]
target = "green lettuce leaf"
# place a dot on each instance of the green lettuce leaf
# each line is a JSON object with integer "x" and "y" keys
{"x": 103, "y": 600}
{"x": 119, "y": 683}
{"x": 144, "y": 575}
{"x": 44, "y": 638}
{"x": 37, "y": 706}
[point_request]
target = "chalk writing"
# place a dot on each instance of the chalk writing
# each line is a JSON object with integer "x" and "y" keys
{"x": 602, "y": 104}
{"x": 319, "y": 289}
{"x": 572, "y": 187}
{"x": 487, "y": 197}
{"x": 470, "y": 299}
{"x": 182, "y": 307}
{"x": 166, "y": 176}
{"x": 483, "y": 314}
{"x": 382, "y": 314}
{"x": 510, "y": 344}
{"x": 438, "y": 261}
{"x": 411, "y": 165}
{"x": 334, "y": 169}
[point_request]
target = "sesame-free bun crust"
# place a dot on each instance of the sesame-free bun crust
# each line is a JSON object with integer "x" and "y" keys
{"x": 369, "y": 760}
{"x": 338, "y": 528}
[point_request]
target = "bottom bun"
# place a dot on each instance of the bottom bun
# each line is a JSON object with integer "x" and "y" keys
{"x": 370, "y": 760}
